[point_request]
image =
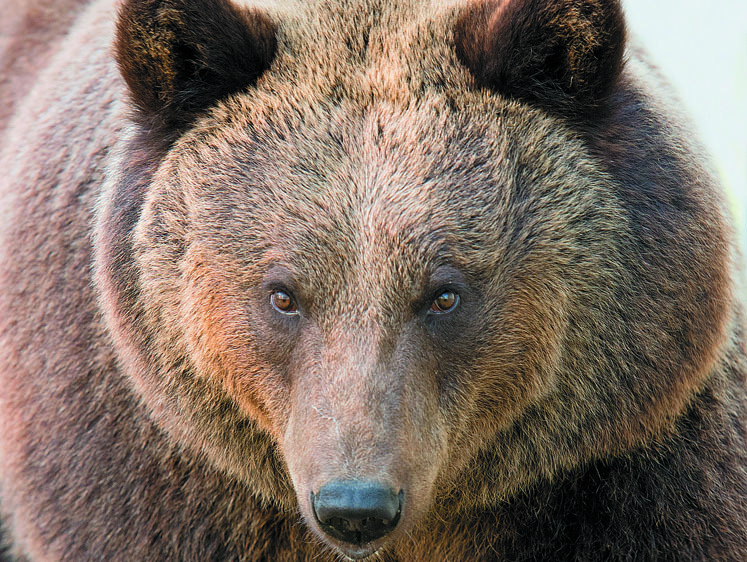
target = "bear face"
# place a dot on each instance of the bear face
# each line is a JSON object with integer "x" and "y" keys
{"x": 366, "y": 358}
{"x": 387, "y": 265}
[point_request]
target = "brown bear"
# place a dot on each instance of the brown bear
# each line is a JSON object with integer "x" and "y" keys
{"x": 390, "y": 280}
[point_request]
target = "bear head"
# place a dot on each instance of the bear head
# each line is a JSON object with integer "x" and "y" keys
{"x": 367, "y": 260}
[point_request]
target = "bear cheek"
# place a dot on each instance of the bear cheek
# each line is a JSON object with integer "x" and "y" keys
{"x": 224, "y": 350}
{"x": 526, "y": 349}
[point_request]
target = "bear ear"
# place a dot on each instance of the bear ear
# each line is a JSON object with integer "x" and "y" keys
{"x": 563, "y": 55}
{"x": 178, "y": 57}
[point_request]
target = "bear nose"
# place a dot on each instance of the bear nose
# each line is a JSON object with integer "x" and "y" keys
{"x": 357, "y": 512}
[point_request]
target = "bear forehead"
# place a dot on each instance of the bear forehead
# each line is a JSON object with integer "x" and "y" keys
{"x": 382, "y": 196}
{"x": 427, "y": 165}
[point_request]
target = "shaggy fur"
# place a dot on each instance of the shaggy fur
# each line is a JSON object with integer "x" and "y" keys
{"x": 169, "y": 165}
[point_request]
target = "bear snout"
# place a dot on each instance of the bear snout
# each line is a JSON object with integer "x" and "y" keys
{"x": 361, "y": 483}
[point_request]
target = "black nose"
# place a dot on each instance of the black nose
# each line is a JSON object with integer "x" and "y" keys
{"x": 357, "y": 511}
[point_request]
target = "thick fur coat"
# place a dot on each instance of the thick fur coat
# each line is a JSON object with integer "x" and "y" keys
{"x": 463, "y": 252}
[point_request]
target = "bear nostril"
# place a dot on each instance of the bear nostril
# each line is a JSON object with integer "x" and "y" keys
{"x": 357, "y": 512}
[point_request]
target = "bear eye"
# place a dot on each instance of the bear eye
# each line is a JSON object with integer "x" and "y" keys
{"x": 444, "y": 303}
{"x": 283, "y": 303}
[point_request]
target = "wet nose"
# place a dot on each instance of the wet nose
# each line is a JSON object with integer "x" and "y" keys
{"x": 357, "y": 511}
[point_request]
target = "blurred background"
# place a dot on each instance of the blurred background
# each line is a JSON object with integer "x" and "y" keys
{"x": 702, "y": 48}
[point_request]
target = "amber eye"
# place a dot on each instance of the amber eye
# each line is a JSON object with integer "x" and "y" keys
{"x": 445, "y": 303}
{"x": 283, "y": 303}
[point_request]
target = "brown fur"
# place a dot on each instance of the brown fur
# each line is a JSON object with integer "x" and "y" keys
{"x": 563, "y": 55}
{"x": 585, "y": 401}
{"x": 30, "y": 31}
{"x": 179, "y": 57}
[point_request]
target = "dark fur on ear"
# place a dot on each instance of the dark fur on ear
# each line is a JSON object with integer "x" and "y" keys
{"x": 563, "y": 55}
{"x": 179, "y": 57}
